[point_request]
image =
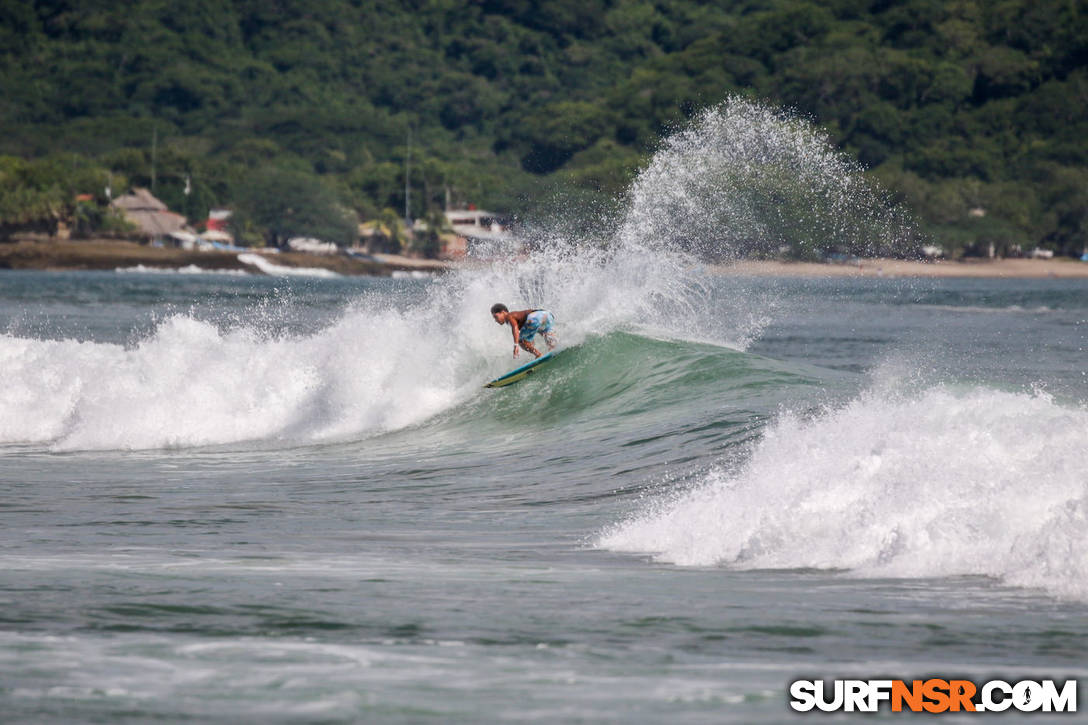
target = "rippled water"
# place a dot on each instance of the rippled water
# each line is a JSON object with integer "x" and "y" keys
{"x": 291, "y": 500}
{"x": 235, "y": 498}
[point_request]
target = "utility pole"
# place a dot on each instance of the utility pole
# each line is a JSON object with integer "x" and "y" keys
{"x": 407, "y": 182}
{"x": 188, "y": 196}
{"x": 154, "y": 151}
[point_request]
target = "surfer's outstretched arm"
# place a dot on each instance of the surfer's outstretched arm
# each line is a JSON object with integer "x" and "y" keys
{"x": 515, "y": 330}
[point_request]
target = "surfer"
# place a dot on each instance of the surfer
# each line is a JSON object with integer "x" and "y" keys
{"x": 526, "y": 324}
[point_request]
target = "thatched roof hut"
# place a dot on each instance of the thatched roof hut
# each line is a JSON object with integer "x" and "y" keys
{"x": 150, "y": 215}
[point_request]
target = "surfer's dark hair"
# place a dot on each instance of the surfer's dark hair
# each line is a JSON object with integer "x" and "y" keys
{"x": 498, "y": 307}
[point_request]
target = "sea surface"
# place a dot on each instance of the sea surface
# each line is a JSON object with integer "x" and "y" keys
{"x": 252, "y": 499}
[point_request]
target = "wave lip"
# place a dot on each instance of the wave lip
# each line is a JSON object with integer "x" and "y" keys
{"x": 973, "y": 483}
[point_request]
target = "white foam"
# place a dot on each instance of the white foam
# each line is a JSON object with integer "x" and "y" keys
{"x": 385, "y": 364}
{"x": 973, "y": 483}
{"x": 191, "y": 384}
{"x": 976, "y": 309}
{"x": 279, "y": 270}
{"x": 745, "y": 176}
{"x": 382, "y": 368}
{"x": 188, "y": 269}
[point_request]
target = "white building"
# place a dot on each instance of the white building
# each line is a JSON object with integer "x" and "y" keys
{"x": 477, "y": 224}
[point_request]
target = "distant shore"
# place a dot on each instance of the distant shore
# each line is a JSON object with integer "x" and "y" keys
{"x": 1011, "y": 268}
{"x": 110, "y": 254}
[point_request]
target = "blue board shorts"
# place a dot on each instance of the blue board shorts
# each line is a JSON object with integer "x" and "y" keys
{"x": 537, "y": 323}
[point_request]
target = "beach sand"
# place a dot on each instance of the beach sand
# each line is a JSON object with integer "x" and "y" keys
{"x": 1018, "y": 268}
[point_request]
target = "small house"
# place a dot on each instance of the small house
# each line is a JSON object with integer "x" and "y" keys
{"x": 150, "y": 216}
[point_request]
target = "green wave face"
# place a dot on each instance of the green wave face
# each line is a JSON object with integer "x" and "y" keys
{"x": 628, "y": 391}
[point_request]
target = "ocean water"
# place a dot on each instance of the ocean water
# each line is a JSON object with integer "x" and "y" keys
{"x": 241, "y": 498}
{"x": 290, "y": 499}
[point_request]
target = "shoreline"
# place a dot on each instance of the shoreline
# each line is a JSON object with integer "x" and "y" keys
{"x": 111, "y": 254}
{"x": 892, "y": 268}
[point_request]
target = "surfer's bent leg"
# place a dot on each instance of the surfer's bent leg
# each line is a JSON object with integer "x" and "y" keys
{"x": 528, "y": 332}
{"x": 545, "y": 329}
{"x": 528, "y": 347}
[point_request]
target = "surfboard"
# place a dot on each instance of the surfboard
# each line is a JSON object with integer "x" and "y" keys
{"x": 518, "y": 373}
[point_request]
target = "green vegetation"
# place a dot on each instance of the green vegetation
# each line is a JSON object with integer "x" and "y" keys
{"x": 956, "y": 105}
{"x": 290, "y": 204}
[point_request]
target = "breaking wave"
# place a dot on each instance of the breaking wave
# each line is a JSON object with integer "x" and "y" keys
{"x": 387, "y": 362}
{"x": 980, "y": 482}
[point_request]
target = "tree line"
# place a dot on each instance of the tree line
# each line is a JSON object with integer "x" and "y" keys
{"x": 971, "y": 112}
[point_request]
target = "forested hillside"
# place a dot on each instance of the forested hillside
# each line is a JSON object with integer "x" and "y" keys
{"x": 973, "y": 111}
